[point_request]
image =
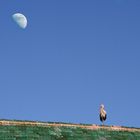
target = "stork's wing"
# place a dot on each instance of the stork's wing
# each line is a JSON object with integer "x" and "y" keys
{"x": 105, "y": 117}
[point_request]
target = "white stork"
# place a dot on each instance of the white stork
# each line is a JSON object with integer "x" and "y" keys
{"x": 103, "y": 114}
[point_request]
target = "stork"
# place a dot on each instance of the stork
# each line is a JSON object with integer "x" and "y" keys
{"x": 103, "y": 114}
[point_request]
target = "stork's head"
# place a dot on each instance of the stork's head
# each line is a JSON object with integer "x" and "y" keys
{"x": 101, "y": 106}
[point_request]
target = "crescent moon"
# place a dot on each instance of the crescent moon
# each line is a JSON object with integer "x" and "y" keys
{"x": 20, "y": 19}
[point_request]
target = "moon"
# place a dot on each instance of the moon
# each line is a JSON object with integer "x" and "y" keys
{"x": 20, "y": 19}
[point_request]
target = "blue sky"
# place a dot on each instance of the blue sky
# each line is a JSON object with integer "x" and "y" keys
{"x": 73, "y": 56}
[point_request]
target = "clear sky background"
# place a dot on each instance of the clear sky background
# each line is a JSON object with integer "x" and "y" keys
{"x": 73, "y": 56}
